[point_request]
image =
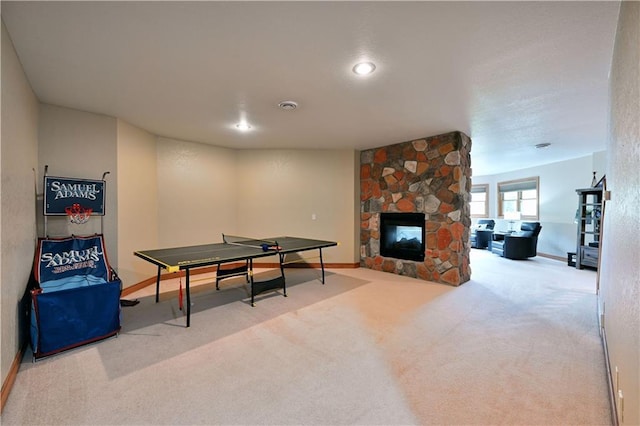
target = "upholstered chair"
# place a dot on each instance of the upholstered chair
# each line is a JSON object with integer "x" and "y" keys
{"x": 521, "y": 244}
{"x": 481, "y": 233}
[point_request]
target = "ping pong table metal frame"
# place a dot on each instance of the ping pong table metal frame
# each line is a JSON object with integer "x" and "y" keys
{"x": 256, "y": 287}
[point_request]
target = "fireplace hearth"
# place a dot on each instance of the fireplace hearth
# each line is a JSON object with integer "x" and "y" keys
{"x": 402, "y": 235}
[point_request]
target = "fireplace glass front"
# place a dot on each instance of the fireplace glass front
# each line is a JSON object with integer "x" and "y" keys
{"x": 402, "y": 235}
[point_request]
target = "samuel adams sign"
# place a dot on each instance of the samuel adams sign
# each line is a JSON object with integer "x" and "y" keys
{"x": 61, "y": 194}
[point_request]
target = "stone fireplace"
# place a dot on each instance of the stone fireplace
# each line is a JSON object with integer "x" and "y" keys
{"x": 429, "y": 177}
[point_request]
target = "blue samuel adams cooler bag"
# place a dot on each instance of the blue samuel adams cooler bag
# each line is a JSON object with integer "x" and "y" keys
{"x": 76, "y": 299}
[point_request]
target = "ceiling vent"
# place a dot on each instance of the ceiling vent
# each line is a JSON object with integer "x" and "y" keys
{"x": 288, "y": 105}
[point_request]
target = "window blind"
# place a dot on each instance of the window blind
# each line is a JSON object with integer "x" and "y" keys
{"x": 517, "y": 186}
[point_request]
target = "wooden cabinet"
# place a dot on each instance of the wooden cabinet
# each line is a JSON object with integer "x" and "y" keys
{"x": 589, "y": 218}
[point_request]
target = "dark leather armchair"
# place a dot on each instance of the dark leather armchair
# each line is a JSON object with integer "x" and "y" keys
{"x": 481, "y": 235}
{"x": 518, "y": 245}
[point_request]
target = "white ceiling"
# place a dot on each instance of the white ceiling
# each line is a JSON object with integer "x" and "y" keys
{"x": 508, "y": 74}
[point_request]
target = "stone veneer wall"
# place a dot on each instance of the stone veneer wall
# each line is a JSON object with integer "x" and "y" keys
{"x": 430, "y": 176}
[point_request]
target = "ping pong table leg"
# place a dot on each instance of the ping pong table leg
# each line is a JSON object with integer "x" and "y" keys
{"x": 186, "y": 273}
{"x": 251, "y": 280}
{"x": 322, "y": 265}
{"x": 284, "y": 280}
{"x": 158, "y": 285}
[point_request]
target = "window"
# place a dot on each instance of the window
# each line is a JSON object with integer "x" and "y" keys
{"x": 519, "y": 197}
{"x": 479, "y": 201}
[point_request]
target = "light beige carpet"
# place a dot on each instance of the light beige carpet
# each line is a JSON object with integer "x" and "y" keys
{"x": 518, "y": 344}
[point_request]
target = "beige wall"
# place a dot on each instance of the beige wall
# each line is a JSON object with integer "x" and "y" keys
{"x": 81, "y": 145}
{"x": 137, "y": 201}
{"x": 280, "y": 191}
{"x": 197, "y": 193}
{"x": 620, "y": 271}
{"x": 19, "y": 156}
{"x": 205, "y": 191}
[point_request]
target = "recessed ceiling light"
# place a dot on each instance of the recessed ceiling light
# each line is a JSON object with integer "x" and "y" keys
{"x": 364, "y": 68}
{"x": 288, "y": 105}
{"x": 543, "y": 145}
{"x": 243, "y": 126}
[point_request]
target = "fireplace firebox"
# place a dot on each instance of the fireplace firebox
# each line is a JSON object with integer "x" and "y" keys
{"x": 402, "y": 235}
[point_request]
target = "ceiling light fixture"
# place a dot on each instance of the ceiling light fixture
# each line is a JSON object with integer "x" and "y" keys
{"x": 288, "y": 105}
{"x": 364, "y": 68}
{"x": 243, "y": 126}
{"x": 542, "y": 145}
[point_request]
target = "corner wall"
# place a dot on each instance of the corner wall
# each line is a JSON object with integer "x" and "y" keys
{"x": 18, "y": 158}
{"x": 81, "y": 144}
{"x": 619, "y": 296}
{"x": 197, "y": 192}
{"x": 204, "y": 191}
{"x": 137, "y": 201}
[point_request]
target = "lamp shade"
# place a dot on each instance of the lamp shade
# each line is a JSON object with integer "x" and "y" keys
{"x": 512, "y": 215}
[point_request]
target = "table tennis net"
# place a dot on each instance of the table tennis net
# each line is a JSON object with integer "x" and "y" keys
{"x": 249, "y": 242}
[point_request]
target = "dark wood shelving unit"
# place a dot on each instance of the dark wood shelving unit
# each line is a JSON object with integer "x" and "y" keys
{"x": 589, "y": 219}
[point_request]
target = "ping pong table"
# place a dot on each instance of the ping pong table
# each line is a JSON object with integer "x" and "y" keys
{"x": 233, "y": 249}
